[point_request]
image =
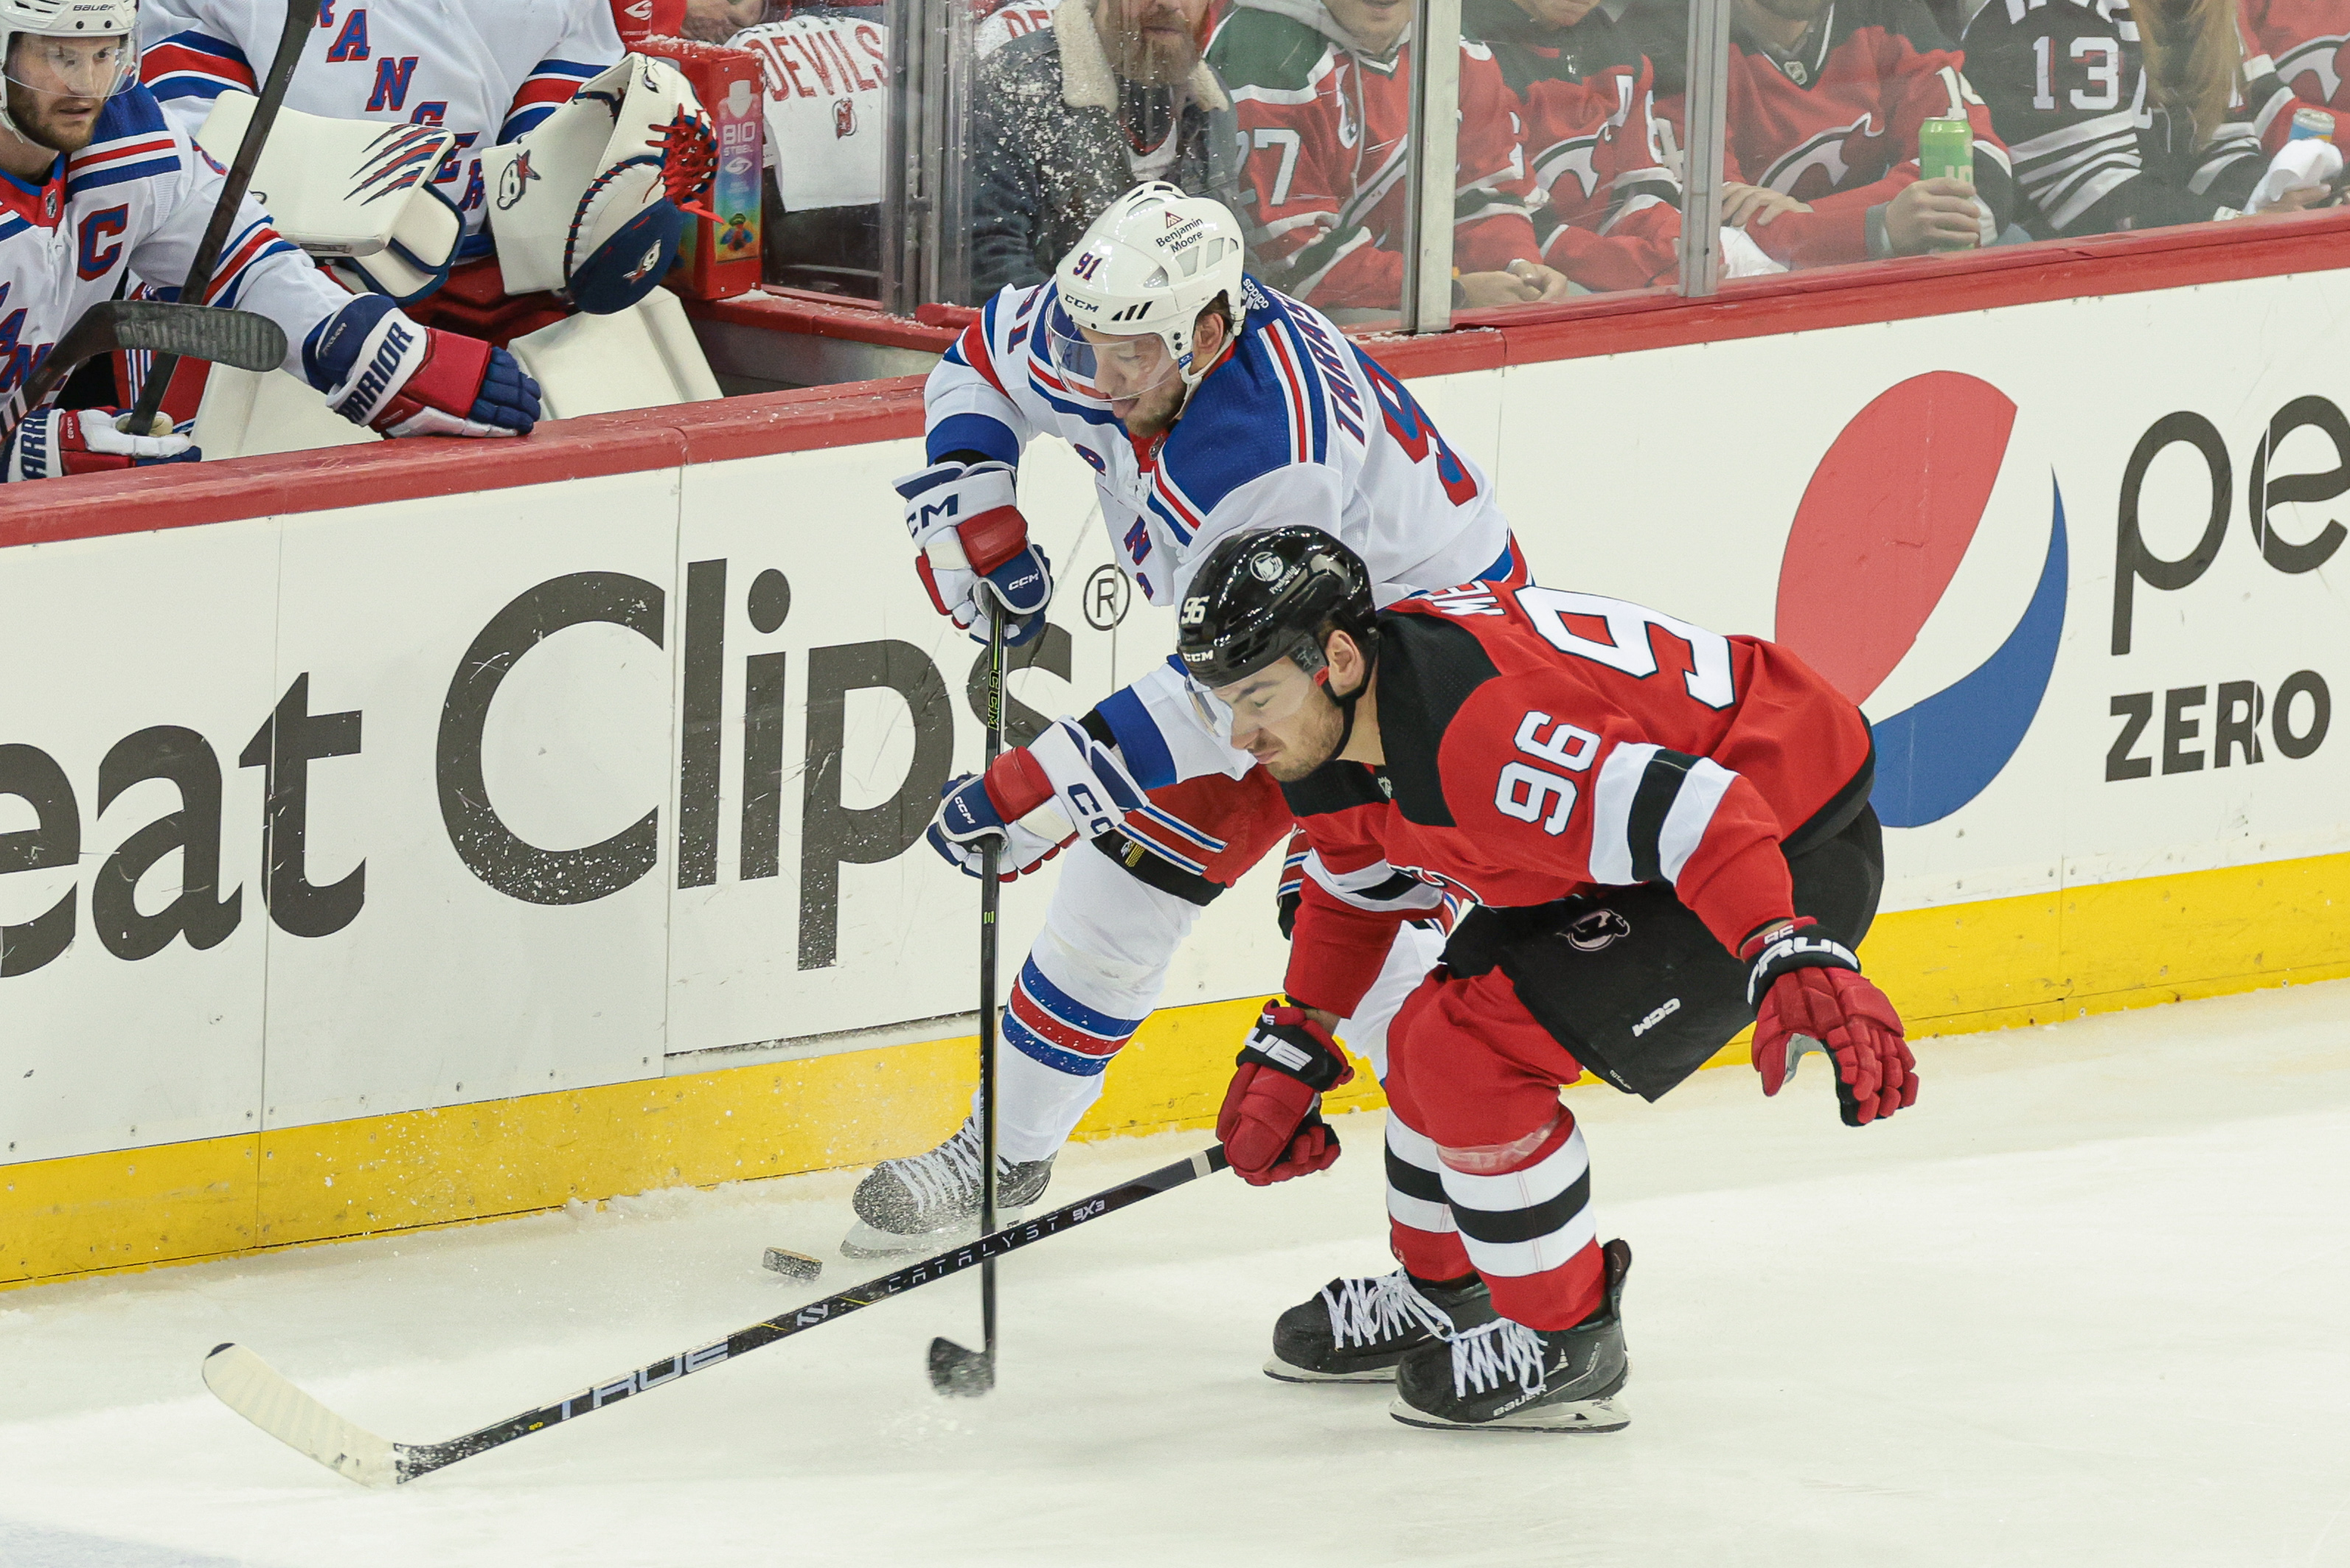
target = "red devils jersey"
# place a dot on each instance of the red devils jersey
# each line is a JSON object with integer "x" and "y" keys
{"x": 1585, "y": 95}
{"x": 1538, "y": 741}
{"x": 2308, "y": 42}
{"x": 2294, "y": 55}
{"x": 1835, "y": 123}
{"x": 1328, "y": 127}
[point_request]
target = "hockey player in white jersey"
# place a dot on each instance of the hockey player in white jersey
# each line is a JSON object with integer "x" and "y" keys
{"x": 1206, "y": 404}
{"x": 94, "y": 182}
{"x": 486, "y": 73}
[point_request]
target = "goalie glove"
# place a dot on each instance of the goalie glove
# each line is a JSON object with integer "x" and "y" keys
{"x": 1809, "y": 995}
{"x": 1271, "y": 1124}
{"x": 971, "y": 548}
{"x": 969, "y": 816}
{"x": 53, "y": 442}
{"x": 379, "y": 370}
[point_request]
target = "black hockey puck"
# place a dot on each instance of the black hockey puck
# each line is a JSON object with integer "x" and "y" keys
{"x": 793, "y": 1265}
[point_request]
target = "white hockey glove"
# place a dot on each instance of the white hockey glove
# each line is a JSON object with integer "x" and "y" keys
{"x": 968, "y": 818}
{"x": 1063, "y": 785}
{"x": 52, "y": 442}
{"x": 973, "y": 548}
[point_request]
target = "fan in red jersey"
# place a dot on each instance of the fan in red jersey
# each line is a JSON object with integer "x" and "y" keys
{"x": 1826, "y": 99}
{"x": 1324, "y": 93}
{"x": 1666, "y": 833}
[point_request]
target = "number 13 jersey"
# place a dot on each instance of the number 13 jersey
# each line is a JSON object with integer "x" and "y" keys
{"x": 1539, "y": 742}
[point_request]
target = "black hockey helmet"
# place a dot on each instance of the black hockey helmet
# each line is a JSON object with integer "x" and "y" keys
{"x": 1260, "y": 596}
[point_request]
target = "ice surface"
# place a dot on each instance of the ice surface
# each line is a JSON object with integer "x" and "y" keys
{"x": 2083, "y": 1305}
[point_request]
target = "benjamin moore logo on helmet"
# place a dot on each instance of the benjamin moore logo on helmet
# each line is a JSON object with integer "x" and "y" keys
{"x": 1892, "y": 510}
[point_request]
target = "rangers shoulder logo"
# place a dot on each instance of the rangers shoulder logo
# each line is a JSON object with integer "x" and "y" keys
{"x": 651, "y": 260}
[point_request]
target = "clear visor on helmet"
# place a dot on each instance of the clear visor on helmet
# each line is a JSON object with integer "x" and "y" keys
{"x": 1109, "y": 369}
{"x": 72, "y": 67}
{"x": 1259, "y": 701}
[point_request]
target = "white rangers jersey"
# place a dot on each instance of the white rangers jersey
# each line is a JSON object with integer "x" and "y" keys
{"x": 1295, "y": 425}
{"x": 487, "y": 72}
{"x": 825, "y": 107}
{"x": 139, "y": 197}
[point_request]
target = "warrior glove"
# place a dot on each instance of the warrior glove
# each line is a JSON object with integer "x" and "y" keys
{"x": 971, "y": 548}
{"x": 51, "y": 442}
{"x": 379, "y": 370}
{"x": 1809, "y": 995}
{"x": 1271, "y": 1124}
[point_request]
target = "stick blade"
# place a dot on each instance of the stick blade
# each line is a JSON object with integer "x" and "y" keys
{"x": 958, "y": 1373}
{"x": 237, "y": 338}
{"x": 254, "y": 1390}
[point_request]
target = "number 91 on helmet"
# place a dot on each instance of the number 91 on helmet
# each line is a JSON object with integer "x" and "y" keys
{"x": 1132, "y": 290}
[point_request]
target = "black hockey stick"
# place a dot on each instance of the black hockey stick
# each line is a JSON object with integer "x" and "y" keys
{"x": 237, "y": 338}
{"x": 953, "y": 1370}
{"x": 250, "y": 1387}
{"x": 301, "y": 16}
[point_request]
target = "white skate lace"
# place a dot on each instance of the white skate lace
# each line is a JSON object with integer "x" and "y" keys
{"x": 1485, "y": 1356}
{"x": 945, "y": 1176}
{"x": 1367, "y": 1311}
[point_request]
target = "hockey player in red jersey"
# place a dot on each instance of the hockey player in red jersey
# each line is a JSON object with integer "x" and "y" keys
{"x": 1323, "y": 88}
{"x": 1665, "y": 832}
{"x": 1826, "y": 99}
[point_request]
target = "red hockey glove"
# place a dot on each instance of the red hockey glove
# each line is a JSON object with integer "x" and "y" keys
{"x": 51, "y": 442}
{"x": 1809, "y": 995}
{"x": 1271, "y": 1124}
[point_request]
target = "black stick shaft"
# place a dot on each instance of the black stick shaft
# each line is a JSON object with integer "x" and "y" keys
{"x": 991, "y": 900}
{"x": 422, "y": 1459}
{"x": 301, "y": 16}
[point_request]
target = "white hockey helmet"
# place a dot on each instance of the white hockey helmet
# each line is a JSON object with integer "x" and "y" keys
{"x": 1149, "y": 266}
{"x": 68, "y": 70}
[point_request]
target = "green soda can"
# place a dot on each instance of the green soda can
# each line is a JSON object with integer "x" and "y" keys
{"x": 1946, "y": 149}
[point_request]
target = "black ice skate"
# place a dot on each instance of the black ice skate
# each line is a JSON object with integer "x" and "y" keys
{"x": 1504, "y": 1376}
{"x": 1355, "y": 1331}
{"x": 928, "y": 1201}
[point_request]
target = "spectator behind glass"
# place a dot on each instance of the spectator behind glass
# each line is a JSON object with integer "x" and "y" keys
{"x": 1825, "y": 99}
{"x": 717, "y": 21}
{"x": 1324, "y": 90}
{"x": 2309, "y": 42}
{"x": 2112, "y": 128}
{"x": 1607, "y": 212}
{"x": 1065, "y": 119}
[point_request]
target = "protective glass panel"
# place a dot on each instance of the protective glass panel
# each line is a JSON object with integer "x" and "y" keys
{"x": 825, "y": 71}
{"x": 1322, "y": 98}
{"x": 1568, "y": 180}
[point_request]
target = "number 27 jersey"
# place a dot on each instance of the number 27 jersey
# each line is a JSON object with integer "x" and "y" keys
{"x": 1538, "y": 742}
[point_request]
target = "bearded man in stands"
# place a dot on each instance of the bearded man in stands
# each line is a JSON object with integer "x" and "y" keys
{"x": 1067, "y": 118}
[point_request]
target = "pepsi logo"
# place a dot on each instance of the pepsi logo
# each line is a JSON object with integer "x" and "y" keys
{"x": 1895, "y": 508}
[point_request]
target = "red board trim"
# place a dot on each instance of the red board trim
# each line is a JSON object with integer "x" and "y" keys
{"x": 178, "y": 497}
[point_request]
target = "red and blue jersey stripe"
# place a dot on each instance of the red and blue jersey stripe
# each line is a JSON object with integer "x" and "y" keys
{"x": 550, "y": 84}
{"x": 1051, "y": 1027}
{"x": 195, "y": 65}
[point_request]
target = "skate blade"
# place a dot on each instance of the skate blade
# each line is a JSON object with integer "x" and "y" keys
{"x": 1281, "y": 1370}
{"x": 1574, "y": 1416}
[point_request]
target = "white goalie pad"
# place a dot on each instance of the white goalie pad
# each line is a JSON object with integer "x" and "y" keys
{"x": 645, "y": 356}
{"x": 354, "y": 193}
{"x": 580, "y": 204}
